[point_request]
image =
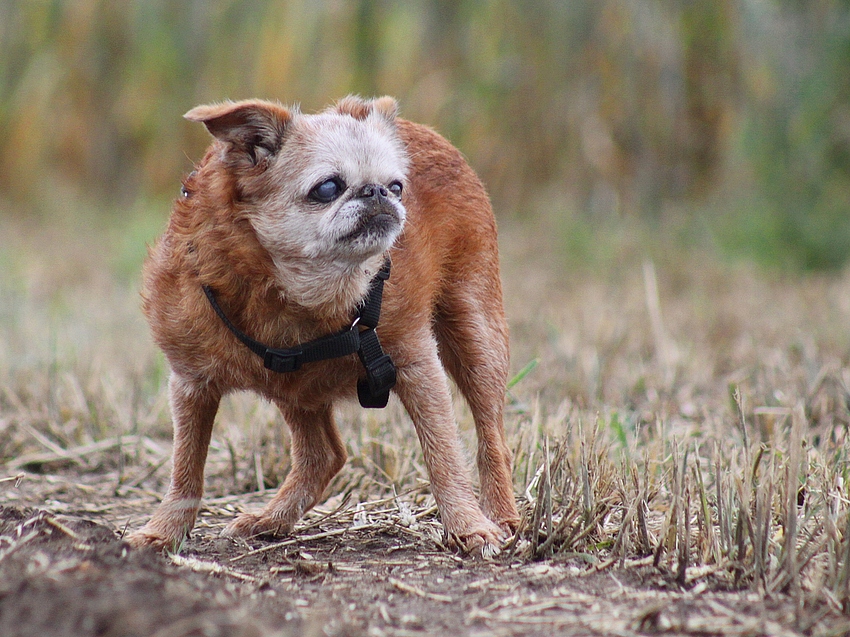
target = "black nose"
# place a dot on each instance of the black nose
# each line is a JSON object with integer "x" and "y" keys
{"x": 373, "y": 190}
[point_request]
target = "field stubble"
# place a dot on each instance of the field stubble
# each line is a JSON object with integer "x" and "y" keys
{"x": 680, "y": 434}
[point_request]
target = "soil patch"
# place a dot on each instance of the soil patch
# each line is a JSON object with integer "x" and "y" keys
{"x": 65, "y": 571}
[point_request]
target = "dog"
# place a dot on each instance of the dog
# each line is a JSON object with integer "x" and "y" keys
{"x": 287, "y": 227}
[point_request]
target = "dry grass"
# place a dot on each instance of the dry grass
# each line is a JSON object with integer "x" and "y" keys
{"x": 680, "y": 415}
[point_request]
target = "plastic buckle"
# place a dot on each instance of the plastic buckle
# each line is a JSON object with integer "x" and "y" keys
{"x": 381, "y": 375}
{"x": 282, "y": 362}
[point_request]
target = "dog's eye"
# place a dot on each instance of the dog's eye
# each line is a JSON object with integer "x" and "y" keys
{"x": 328, "y": 190}
{"x": 395, "y": 188}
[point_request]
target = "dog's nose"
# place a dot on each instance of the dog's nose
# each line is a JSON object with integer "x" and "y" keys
{"x": 373, "y": 190}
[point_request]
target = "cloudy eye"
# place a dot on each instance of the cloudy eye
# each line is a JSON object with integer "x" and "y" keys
{"x": 395, "y": 188}
{"x": 328, "y": 190}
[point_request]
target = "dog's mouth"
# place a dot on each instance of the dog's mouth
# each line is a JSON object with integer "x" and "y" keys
{"x": 373, "y": 225}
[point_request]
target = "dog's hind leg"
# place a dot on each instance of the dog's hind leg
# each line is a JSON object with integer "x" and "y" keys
{"x": 318, "y": 454}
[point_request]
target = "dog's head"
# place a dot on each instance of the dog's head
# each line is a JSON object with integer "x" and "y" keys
{"x": 325, "y": 187}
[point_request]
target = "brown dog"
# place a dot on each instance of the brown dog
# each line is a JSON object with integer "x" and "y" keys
{"x": 286, "y": 221}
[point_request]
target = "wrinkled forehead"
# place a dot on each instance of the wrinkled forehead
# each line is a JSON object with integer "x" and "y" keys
{"x": 358, "y": 151}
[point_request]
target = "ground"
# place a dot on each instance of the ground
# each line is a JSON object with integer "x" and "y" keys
{"x": 70, "y": 574}
{"x": 679, "y": 430}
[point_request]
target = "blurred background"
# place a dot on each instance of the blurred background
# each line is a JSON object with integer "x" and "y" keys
{"x": 719, "y": 125}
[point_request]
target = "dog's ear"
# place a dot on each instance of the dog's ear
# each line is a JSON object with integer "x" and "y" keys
{"x": 385, "y": 107}
{"x": 255, "y": 127}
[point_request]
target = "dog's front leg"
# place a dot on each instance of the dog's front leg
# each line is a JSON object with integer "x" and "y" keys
{"x": 423, "y": 388}
{"x": 193, "y": 409}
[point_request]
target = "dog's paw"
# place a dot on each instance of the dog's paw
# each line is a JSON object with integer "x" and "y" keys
{"x": 484, "y": 539}
{"x": 248, "y": 525}
{"x": 505, "y": 516}
{"x": 508, "y": 527}
{"x": 154, "y": 539}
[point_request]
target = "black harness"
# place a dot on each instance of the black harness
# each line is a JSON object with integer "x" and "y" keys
{"x": 361, "y": 338}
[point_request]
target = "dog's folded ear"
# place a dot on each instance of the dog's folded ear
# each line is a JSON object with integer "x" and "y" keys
{"x": 385, "y": 107}
{"x": 256, "y": 127}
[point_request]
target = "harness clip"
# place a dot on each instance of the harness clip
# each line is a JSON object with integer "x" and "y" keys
{"x": 282, "y": 362}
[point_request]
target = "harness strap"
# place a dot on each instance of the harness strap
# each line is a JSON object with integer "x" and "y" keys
{"x": 374, "y": 390}
{"x": 370, "y": 311}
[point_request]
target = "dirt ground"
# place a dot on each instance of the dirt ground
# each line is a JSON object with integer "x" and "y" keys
{"x": 635, "y": 430}
{"x": 65, "y": 571}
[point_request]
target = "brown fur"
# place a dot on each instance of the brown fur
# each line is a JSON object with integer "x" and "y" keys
{"x": 442, "y": 310}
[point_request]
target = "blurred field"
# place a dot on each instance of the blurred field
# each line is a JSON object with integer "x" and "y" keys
{"x": 729, "y": 117}
{"x": 672, "y": 183}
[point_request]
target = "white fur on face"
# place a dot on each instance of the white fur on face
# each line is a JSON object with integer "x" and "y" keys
{"x": 311, "y": 241}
